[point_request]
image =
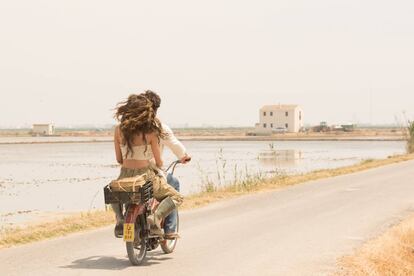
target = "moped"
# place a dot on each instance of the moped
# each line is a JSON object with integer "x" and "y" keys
{"x": 136, "y": 233}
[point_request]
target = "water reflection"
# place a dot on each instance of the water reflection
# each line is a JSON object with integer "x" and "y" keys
{"x": 280, "y": 158}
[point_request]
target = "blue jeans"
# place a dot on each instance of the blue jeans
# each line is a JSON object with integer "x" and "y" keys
{"x": 170, "y": 223}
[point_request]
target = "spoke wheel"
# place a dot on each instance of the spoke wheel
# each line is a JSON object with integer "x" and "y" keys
{"x": 168, "y": 246}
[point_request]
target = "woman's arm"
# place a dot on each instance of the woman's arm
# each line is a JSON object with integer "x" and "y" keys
{"x": 117, "y": 142}
{"x": 155, "y": 146}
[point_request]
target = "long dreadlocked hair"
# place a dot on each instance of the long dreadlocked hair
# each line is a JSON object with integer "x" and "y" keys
{"x": 137, "y": 117}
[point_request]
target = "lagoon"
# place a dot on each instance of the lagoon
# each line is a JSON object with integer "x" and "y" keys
{"x": 69, "y": 177}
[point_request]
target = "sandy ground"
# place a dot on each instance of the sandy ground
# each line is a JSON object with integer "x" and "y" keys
{"x": 301, "y": 230}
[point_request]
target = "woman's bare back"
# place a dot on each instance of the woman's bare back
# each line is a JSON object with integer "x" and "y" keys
{"x": 151, "y": 140}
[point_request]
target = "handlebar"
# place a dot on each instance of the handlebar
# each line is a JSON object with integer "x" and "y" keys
{"x": 174, "y": 164}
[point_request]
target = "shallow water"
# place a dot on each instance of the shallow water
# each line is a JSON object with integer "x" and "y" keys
{"x": 69, "y": 177}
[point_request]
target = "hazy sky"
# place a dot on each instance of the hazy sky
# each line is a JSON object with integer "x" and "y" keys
{"x": 212, "y": 62}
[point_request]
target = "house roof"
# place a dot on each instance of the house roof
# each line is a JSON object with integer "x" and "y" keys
{"x": 280, "y": 106}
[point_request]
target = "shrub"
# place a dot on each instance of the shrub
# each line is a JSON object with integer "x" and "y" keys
{"x": 410, "y": 138}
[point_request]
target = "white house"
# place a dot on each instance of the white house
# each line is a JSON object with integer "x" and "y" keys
{"x": 43, "y": 129}
{"x": 279, "y": 117}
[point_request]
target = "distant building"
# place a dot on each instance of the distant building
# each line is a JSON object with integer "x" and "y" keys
{"x": 43, "y": 129}
{"x": 276, "y": 118}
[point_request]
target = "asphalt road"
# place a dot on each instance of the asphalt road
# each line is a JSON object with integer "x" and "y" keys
{"x": 301, "y": 230}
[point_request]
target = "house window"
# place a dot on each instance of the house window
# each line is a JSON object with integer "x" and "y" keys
{"x": 271, "y": 125}
{"x": 264, "y": 125}
{"x": 287, "y": 113}
{"x": 286, "y": 125}
{"x": 271, "y": 113}
{"x": 264, "y": 113}
{"x": 300, "y": 115}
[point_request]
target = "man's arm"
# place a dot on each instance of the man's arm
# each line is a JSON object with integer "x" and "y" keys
{"x": 174, "y": 144}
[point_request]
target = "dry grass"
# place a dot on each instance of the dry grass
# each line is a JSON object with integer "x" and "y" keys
{"x": 389, "y": 254}
{"x": 86, "y": 221}
{"x": 61, "y": 227}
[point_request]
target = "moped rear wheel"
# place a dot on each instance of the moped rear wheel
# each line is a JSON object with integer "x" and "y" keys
{"x": 137, "y": 250}
{"x": 168, "y": 246}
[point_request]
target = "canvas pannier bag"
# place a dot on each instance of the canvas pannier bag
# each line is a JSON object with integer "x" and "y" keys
{"x": 129, "y": 184}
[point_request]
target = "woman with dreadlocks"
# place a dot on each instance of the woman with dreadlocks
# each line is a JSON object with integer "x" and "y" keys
{"x": 137, "y": 149}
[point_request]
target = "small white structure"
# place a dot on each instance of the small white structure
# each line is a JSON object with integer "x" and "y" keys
{"x": 276, "y": 118}
{"x": 43, "y": 129}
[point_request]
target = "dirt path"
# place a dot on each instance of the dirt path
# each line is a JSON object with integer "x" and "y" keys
{"x": 301, "y": 230}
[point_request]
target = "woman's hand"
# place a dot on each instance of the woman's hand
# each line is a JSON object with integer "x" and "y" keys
{"x": 159, "y": 164}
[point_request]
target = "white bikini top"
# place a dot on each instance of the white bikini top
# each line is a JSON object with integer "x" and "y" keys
{"x": 141, "y": 153}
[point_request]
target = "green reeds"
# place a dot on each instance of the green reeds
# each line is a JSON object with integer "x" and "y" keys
{"x": 243, "y": 180}
{"x": 410, "y": 137}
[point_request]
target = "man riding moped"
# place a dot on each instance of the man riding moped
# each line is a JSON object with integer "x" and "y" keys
{"x": 171, "y": 197}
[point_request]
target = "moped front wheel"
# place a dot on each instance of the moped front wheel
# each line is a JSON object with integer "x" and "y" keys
{"x": 168, "y": 246}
